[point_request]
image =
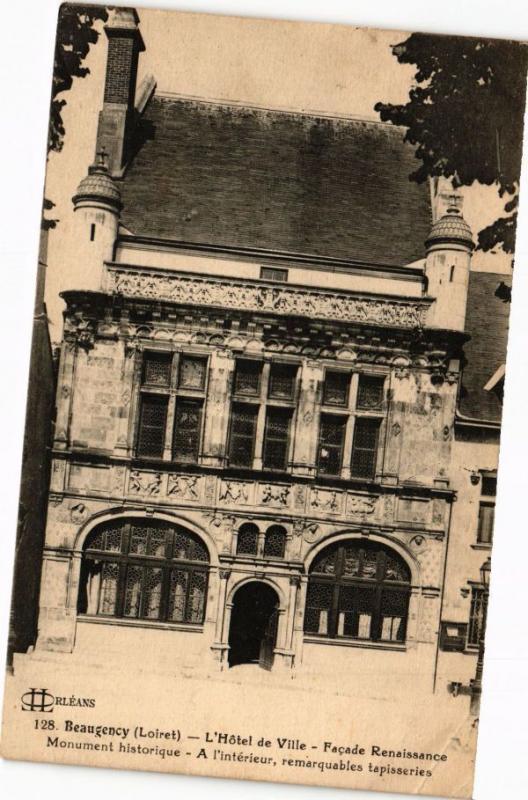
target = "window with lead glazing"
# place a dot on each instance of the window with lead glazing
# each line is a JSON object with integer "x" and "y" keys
{"x": 275, "y": 542}
{"x": 261, "y": 414}
{"x": 477, "y": 616}
{"x": 247, "y": 378}
{"x": 152, "y": 425}
{"x": 172, "y": 389}
{"x": 358, "y": 590}
{"x": 352, "y": 412}
{"x": 247, "y": 539}
{"x": 276, "y": 438}
{"x": 144, "y": 571}
{"x": 331, "y": 442}
{"x": 242, "y": 435}
{"x": 336, "y": 389}
{"x": 187, "y": 429}
{"x": 365, "y": 447}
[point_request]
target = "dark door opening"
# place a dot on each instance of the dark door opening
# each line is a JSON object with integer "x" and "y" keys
{"x": 253, "y": 629}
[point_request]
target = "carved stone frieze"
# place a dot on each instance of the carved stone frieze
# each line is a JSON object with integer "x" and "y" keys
{"x": 330, "y": 501}
{"x": 184, "y": 487}
{"x": 144, "y": 483}
{"x": 273, "y": 495}
{"x": 197, "y": 291}
{"x": 235, "y": 492}
{"x": 360, "y": 505}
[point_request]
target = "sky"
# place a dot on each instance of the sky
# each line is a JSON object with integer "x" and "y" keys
{"x": 329, "y": 69}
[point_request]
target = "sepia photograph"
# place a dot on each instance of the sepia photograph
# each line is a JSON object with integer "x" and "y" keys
{"x": 265, "y": 395}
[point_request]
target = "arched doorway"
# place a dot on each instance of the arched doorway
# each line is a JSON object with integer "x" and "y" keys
{"x": 253, "y": 629}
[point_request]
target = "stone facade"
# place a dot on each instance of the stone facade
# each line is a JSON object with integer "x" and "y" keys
{"x": 97, "y": 474}
{"x": 393, "y": 513}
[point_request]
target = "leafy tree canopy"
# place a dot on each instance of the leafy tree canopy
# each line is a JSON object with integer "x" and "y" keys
{"x": 75, "y": 35}
{"x": 465, "y": 117}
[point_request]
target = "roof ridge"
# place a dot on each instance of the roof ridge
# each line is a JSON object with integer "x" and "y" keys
{"x": 165, "y": 95}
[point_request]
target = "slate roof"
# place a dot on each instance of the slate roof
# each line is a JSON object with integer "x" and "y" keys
{"x": 225, "y": 175}
{"x": 487, "y": 324}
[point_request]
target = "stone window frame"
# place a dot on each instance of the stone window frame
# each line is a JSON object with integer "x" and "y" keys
{"x": 258, "y": 543}
{"x": 124, "y": 559}
{"x": 260, "y": 402}
{"x": 172, "y": 392}
{"x": 348, "y": 413}
{"x": 338, "y": 582}
{"x": 486, "y": 508}
{"x": 277, "y": 274}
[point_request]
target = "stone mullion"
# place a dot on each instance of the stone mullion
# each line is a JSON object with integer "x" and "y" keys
{"x": 65, "y": 394}
{"x": 349, "y": 430}
{"x": 261, "y": 418}
{"x": 171, "y": 410}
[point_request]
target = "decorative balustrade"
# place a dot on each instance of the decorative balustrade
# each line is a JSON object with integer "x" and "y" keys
{"x": 247, "y": 295}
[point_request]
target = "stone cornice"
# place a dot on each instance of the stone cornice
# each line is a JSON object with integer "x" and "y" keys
{"x": 266, "y": 298}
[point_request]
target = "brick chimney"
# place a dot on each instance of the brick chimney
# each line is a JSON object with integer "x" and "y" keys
{"x": 117, "y": 117}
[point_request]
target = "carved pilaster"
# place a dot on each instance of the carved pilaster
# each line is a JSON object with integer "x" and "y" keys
{"x": 221, "y": 371}
{"x": 65, "y": 393}
{"x": 305, "y": 438}
{"x": 399, "y": 392}
{"x": 123, "y": 443}
{"x": 223, "y": 574}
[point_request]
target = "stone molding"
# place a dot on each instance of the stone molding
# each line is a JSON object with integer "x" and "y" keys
{"x": 243, "y": 295}
{"x": 307, "y": 506}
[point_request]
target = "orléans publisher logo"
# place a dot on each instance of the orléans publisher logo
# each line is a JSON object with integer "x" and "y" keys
{"x": 38, "y": 700}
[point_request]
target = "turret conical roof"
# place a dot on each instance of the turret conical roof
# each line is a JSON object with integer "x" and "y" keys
{"x": 451, "y": 228}
{"x": 98, "y": 186}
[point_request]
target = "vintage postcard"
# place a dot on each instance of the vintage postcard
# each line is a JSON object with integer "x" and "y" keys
{"x": 264, "y": 409}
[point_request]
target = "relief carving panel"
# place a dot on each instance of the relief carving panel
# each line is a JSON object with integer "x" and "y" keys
{"x": 360, "y": 505}
{"x": 328, "y": 501}
{"x": 235, "y": 492}
{"x": 280, "y": 300}
{"x": 185, "y": 487}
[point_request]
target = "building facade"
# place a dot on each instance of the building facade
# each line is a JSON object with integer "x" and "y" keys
{"x": 260, "y": 452}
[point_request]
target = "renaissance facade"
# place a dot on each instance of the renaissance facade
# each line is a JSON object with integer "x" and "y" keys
{"x": 260, "y": 435}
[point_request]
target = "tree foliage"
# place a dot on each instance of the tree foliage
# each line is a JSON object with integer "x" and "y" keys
{"x": 465, "y": 117}
{"x": 75, "y": 34}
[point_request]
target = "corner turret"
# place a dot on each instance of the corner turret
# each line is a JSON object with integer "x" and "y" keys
{"x": 97, "y": 205}
{"x": 449, "y": 247}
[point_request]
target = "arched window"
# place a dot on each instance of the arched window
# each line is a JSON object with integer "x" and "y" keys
{"x": 275, "y": 542}
{"x": 358, "y": 590}
{"x": 152, "y": 570}
{"x": 247, "y": 541}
